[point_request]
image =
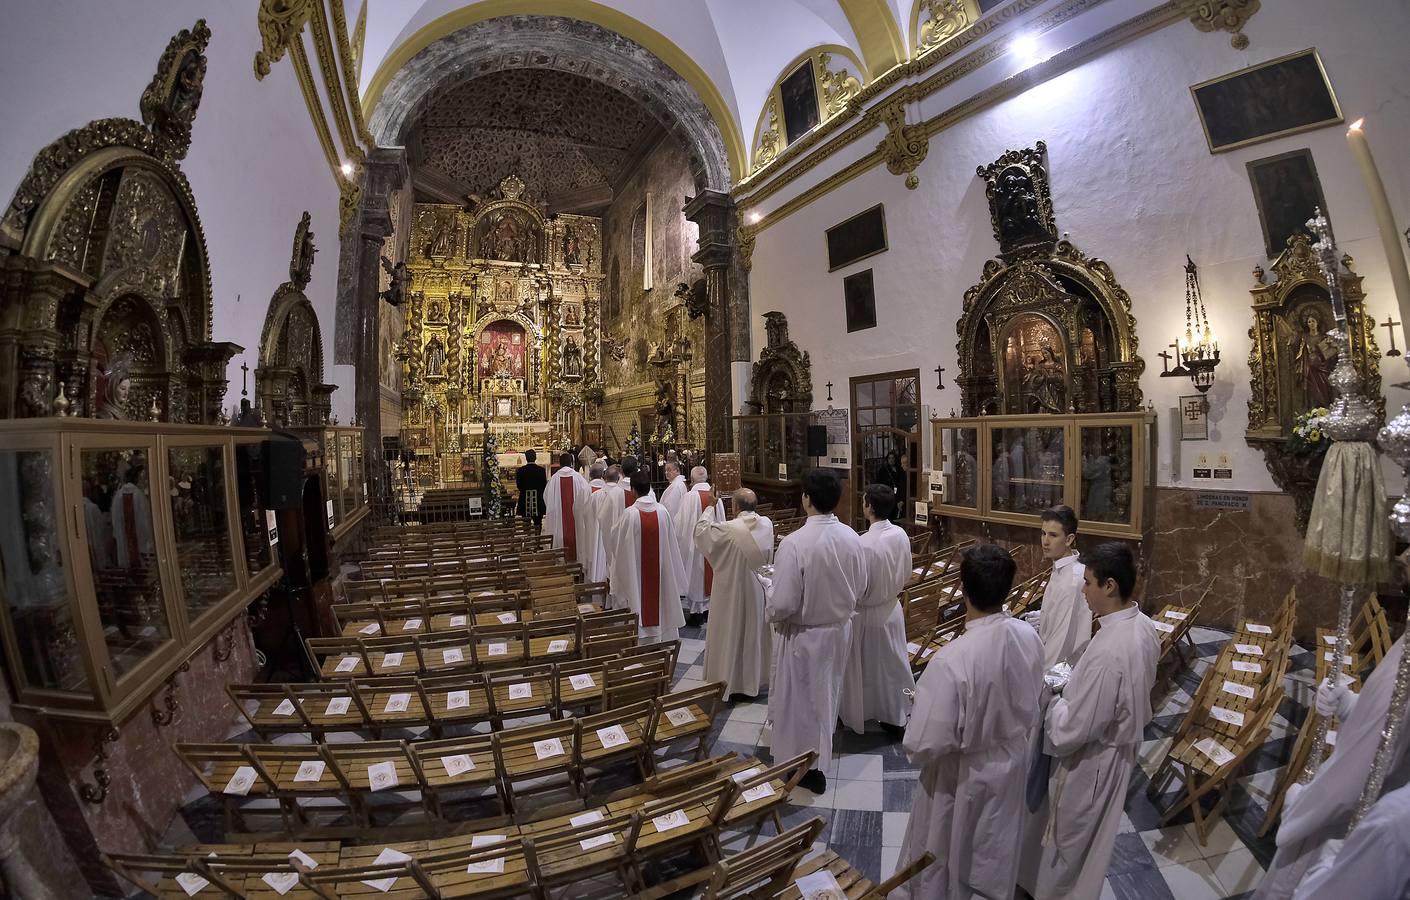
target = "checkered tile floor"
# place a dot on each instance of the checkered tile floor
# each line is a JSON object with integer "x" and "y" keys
{"x": 871, "y": 782}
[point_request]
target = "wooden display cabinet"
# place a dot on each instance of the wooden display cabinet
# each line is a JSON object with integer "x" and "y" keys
{"x": 124, "y": 547}
{"x": 344, "y": 479}
{"x": 1008, "y": 469}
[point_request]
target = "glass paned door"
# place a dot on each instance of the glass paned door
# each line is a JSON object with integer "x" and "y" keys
{"x": 886, "y": 438}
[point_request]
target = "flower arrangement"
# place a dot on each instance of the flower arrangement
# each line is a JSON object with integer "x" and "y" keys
{"x": 494, "y": 489}
{"x": 634, "y": 441}
{"x": 1307, "y": 436}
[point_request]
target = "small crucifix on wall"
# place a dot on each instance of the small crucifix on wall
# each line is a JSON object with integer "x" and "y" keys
{"x": 1390, "y": 326}
{"x": 939, "y": 378}
{"x": 829, "y": 392}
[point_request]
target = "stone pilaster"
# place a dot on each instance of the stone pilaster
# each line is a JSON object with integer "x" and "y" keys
{"x": 715, "y": 214}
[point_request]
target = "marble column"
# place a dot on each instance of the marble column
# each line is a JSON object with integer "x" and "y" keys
{"x": 727, "y": 308}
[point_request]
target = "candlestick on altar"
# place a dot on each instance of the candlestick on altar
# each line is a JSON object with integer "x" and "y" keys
{"x": 1385, "y": 221}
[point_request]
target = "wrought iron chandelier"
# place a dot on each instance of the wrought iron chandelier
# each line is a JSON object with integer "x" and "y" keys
{"x": 1198, "y": 348}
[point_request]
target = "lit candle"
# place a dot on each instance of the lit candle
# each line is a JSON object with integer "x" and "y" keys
{"x": 1385, "y": 222}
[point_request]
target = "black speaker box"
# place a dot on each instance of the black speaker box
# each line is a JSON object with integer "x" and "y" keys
{"x": 817, "y": 440}
{"x": 282, "y": 481}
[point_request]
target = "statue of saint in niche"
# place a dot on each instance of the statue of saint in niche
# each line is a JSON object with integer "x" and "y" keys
{"x": 435, "y": 357}
{"x": 572, "y": 253}
{"x": 499, "y": 364}
{"x": 442, "y": 238}
{"x": 114, "y": 386}
{"x": 572, "y": 359}
{"x": 1314, "y": 356}
{"x": 1020, "y": 222}
{"x": 571, "y": 316}
{"x": 507, "y": 240}
{"x": 1043, "y": 382}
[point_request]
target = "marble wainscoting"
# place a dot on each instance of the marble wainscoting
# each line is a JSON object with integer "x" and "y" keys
{"x": 147, "y": 780}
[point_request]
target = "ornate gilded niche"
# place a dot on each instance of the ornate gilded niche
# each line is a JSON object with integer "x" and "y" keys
{"x": 1291, "y": 359}
{"x": 289, "y": 387}
{"x": 105, "y": 299}
{"x": 782, "y": 380}
{"x": 1047, "y": 329}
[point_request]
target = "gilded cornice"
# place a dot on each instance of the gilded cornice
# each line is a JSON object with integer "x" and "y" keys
{"x": 333, "y": 80}
{"x": 349, "y": 68}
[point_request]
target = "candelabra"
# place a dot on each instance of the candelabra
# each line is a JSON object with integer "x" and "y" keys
{"x": 1198, "y": 350}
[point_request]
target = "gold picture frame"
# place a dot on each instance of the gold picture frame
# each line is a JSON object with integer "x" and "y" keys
{"x": 1307, "y": 102}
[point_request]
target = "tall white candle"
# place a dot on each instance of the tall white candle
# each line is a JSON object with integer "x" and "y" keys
{"x": 1385, "y": 222}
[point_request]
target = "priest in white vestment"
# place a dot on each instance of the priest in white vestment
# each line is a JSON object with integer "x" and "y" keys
{"x": 592, "y": 555}
{"x": 565, "y": 507}
{"x": 737, "y": 641}
{"x": 131, "y": 514}
{"x": 878, "y": 668}
{"x": 646, "y": 566}
{"x": 607, "y": 509}
{"x": 675, "y": 489}
{"x": 971, "y": 727}
{"x": 699, "y": 575}
{"x": 819, "y": 574}
{"x": 1320, "y": 812}
{"x": 1093, "y": 731}
{"x": 1064, "y": 621}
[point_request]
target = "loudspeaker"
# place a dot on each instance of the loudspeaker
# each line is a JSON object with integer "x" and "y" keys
{"x": 282, "y": 471}
{"x": 817, "y": 440}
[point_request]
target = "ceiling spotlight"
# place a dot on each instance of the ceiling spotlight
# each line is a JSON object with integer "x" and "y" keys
{"x": 347, "y": 170}
{"x": 1025, "y": 47}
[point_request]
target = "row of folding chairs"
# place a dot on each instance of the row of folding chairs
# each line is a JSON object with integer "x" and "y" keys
{"x": 1173, "y": 623}
{"x": 451, "y": 562}
{"x": 922, "y": 645}
{"x": 461, "y": 699}
{"x": 503, "y": 766}
{"x": 683, "y": 822}
{"x": 419, "y": 615}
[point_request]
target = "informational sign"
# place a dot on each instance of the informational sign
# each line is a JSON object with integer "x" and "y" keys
{"x": 476, "y": 506}
{"x": 1222, "y": 500}
{"x": 271, "y": 526}
{"x": 783, "y": 471}
{"x": 1223, "y": 467}
{"x": 922, "y": 512}
{"x": 330, "y": 515}
{"x": 1203, "y": 468}
{"x": 937, "y": 484}
{"x": 839, "y": 436}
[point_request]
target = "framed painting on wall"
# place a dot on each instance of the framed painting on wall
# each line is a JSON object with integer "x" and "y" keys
{"x": 1288, "y": 193}
{"x": 800, "y": 102}
{"x": 856, "y": 238}
{"x": 860, "y": 297}
{"x": 1280, "y": 97}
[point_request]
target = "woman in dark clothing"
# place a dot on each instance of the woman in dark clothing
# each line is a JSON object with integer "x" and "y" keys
{"x": 531, "y": 479}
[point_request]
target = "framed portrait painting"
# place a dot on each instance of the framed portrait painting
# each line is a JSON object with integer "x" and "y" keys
{"x": 1283, "y": 96}
{"x": 860, "y": 297}
{"x": 1287, "y": 193}
{"x": 800, "y": 102}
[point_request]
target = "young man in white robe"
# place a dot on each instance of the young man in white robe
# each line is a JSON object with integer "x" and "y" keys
{"x": 970, "y": 732}
{"x": 565, "y": 506}
{"x": 1092, "y": 731}
{"x": 819, "y": 573}
{"x": 1063, "y": 621}
{"x": 646, "y": 566}
{"x": 878, "y": 668}
{"x": 737, "y": 641}
{"x": 675, "y": 489}
{"x": 1317, "y": 816}
{"x": 607, "y": 510}
{"x": 700, "y": 576}
{"x": 593, "y": 557}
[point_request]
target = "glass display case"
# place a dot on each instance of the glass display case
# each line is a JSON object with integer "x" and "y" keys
{"x": 769, "y": 441}
{"x": 344, "y": 475}
{"x": 120, "y": 545}
{"x": 1010, "y": 468}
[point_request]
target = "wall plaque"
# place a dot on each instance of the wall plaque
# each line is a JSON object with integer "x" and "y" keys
{"x": 1222, "y": 500}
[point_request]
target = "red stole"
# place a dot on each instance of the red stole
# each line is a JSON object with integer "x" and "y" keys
{"x": 565, "y": 510}
{"x": 129, "y": 527}
{"x": 650, "y": 569}
{"x": 709, "y": 572}
{"x": 630, "y": 496}
{"x": 596, "y": 489}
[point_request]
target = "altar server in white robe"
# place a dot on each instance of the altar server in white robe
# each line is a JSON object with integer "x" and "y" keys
{"x": 607, "y": 508}
{"x": 131, "y": 513}
{"x": 565, "y": 506}
{"x": 1319, "y": 814}
{"x": 593, "y": 557}
{"x": 970, "y": 732}
{"x": 674, "y": 492}
{"x": 700, "y": 576}
{"x": 819, "y": 574}
{"x": 646, "y": 570}
{"x": 737, "y": 641}
{"x": 1064, "y": 622}
{"x": 1092, "y": 731}
{"x": 878, "y": 669}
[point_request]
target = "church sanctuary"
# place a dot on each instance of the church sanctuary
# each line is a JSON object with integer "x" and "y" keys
{"x": 680, "y": 449}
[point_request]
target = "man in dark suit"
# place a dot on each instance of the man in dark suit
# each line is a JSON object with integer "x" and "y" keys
{"x": 531, "y": 479}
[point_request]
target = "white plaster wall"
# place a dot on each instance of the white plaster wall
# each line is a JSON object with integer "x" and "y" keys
{"x": 254, "y": 165}
{"x": 1133, "y": 183}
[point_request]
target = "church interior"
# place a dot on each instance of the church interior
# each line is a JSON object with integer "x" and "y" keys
{"x": 1124, "y": 278}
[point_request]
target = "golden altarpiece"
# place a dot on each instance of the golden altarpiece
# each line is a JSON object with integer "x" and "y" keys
{"x": 502, "y": 331}
{"x": 1050, "y": 399}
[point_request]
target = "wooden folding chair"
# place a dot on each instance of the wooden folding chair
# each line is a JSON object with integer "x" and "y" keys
{"x": 761, "y": 791}
{"x": 580, "y": 684}
{"x": 444, "y": 653}
{"x": 545, "y": 754}
{"x": 392, "y": 703}
{"x": 613, "y": 734}
{"x": 224, "y": 770}
{"x": 405, "y": 878}
{"x": 461, "y": 765}
{"x": 552, "y": 639}
{"x": 500, "y": 646}
{"x": 370, "y": 768}
{"x": 173, "y": 873}
{"x": 638, "y": 676}
{"x": 486, "y": 866}
{"x": 683, "y": 715}
{"x": 297, "y": 772}
{"x": 592, "y": 844}
{"x": 663, "y": 827}
{"x": 462, "y": 699}
{"x": 336, "y": 659}
{"x": 522, "y": 693}
{"x": 765, "y": 870}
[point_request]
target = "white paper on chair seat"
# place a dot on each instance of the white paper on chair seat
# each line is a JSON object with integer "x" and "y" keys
{"x": 1251, "y": 667}
{"x": 1329, "y": 639}
{"x": 592, "y": 843}
{"x": 241, "y": 782}
{"x": 191, "y": 883}
{"x": 1214, "y": 750}
{"x": 547, "y": 749}
{"x": 820, "y": 885}
{"x": 285, "y": 708}
{"x": 391, "y": 660}
{"x": 498, "y": 649}
{"x": 1238, "y": 690}
{"x": 1331, "y": 737}
{"x": 680, "y": 716}
{"x": 586, "y": 607}
{"x": 397, "y": 703}
{"x": 912, "y": 649}
{"x": 1164, "y": 626}
{"x": 507, "y": 618}
{"x": 382, "y": 775}
{"x": 558, "y": 646}
{"x": 491, "y": 866}
{"x": 671, "y": 820}
{"x": 304, "y": 858}
{"x": 615, "y": 736}
{"x": 388, "y": 855}
{"x": 485, "y": 594}
{"x": 630, "y": 667}
{"x": 371, "y": 628}
{"x": 310, "y": 770}
{"x": 1248, "y": 649}
{"x": 929, "y": 652}
{"x": 347, "y": 664}
{"x": 521, "y": 691}
{"x": 1175, "y": 614}
{"x": 457, "y": 621}
{"x": 281, "y": 882}
{"x": 457, "y": 699}
{"x": 1228, "y": 716}
{"x": 1255, "y": 628}
{"x": 453, "y": 655}
{"x": 457, "y": 765}
{"x": 759, "y": 791}
{"x": 581, "y": 682}
{"x": 411, "y": 625}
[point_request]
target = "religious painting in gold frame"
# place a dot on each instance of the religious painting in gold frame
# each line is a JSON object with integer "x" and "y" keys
{"x": 1282, "y": 96}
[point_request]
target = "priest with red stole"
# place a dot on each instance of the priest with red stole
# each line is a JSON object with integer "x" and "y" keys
{"x": 699, "y": 576}
{"x": 646, "y": 565}
{"x": 566, "y": 509}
